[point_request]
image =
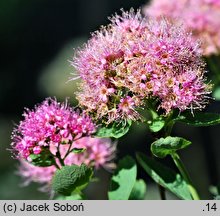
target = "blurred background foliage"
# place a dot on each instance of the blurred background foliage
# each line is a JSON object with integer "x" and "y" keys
{"x": 37, "y": 38}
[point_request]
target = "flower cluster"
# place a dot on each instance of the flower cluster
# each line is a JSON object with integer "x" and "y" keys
{"x": 49, "y": 124}
{"x": 202, "y": 17}
{"x": 133, "y": 60}
{"x": 31, "y": 173}
{"x": 98, "y": 152}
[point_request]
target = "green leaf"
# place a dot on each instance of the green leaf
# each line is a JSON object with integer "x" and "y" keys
{"x": 164, "y": 176}
{"x": 123, "y": 180}
{"x": 165, "y": 146}
{"x": 44, "y": 159}
{"x": 216, "y": 93}
{"x": 217, "y": 197}
{"x": 71, "y": 197}
{"x": 139, "y": 190}
{"x": 200, "y": 119}
{"x": 156, "y": 125}
{"x": 78, "y": 150}
{"x": 115, "y": 130}
{"x": 71, "y": 179}
{"x": 214, "y": 190}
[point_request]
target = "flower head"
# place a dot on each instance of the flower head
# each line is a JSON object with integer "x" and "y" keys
{"x": 134, "y": 59}
{"x": 99, "y": 152}
{"x": 49, "y": 124}
{"x": 202, "y": 17}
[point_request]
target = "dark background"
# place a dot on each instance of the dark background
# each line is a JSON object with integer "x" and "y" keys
{"x": 37, "y": 38}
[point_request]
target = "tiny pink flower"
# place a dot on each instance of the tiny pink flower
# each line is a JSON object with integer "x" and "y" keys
{"x": 127, "y": 108}
{"x": 202, "y": 17}
{"x": 135, "y": 59}
{"x": 37, "y": 150}
{"x": 99, "y": 152}
{"x": 105, "y": 92}
{"x": 126, "y": 104}
{"x": 49, "y": 124}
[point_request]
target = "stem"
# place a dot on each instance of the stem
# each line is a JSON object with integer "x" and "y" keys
{"x": 68, "y": 151}
{"x": 166, "y": 132}
{"x": 58, "y": 155}
{"x": 169, "y": 125}
{"x": 60, "y": 160}
{"x": 55, "y": 164}
{"x": 154, "y": 115}
{"x": 185, "y": 175}
{"x": 152, "y": 110}
{"x": 161, "y": 189}
{"x": 162, "y": 192}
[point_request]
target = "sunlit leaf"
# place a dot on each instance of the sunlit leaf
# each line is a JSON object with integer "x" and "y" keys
{"x": 164, "y": 176}
{"x": 165, "y": 146}
{"x": 139, "y": 190}
{"x": 123, "y": 180}
{"x": 157, "y": 124}
{"x": 115, "y": 130}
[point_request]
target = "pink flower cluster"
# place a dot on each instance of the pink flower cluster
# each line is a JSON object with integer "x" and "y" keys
{"x": 98, "y": 152}
{"x": 49, "y": 124}
{"x": 202, "y": 17}
{"x": 133, "y": 60}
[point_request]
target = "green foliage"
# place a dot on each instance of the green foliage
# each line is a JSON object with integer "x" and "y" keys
{"x": 123, "y": 180}
{"x": 217, "y": 197}
{"x": 115, "y": 130}
{"x": 78, "y": 150}
{"x": 216, "y": 93}
{"x": 139, "y": 190}
{"x": 164, "y": 176}
{"x": 71, "y": 179}
{"x": 44, "y": 159}
{"x": 215, "y": 191}
{"x": 71, "y": 197}
{"x": 165, "y": 146}
{"x": 199, "y": 119}
{"x": 156, "y": 124}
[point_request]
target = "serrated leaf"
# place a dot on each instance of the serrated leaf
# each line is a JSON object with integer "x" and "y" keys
{"x": 139, "y": 190}
{"x": 165, "y": 146}
{"x": 115, "y": 130}
{"x": 71, "y": 178}
{"x": 165, "y": 176}
{"x": 44, "y": 159}
{"x": 200, "y": 119}
{"x": 123, "y": 180}
{"x": 157, "y": 124}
